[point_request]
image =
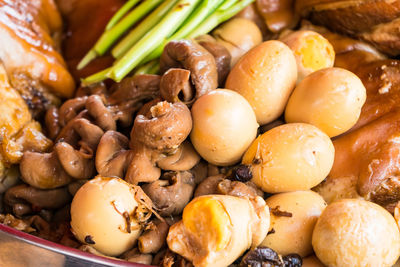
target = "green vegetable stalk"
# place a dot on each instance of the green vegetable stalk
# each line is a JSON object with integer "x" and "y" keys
{"x": 139, "y": 31}
{"x": 168, "y": 25}
{"x": 201, "y": 13}
{"x": 110, "y": 36}
{"x": 121, "y": 13}
{"x": 225, "y": 12}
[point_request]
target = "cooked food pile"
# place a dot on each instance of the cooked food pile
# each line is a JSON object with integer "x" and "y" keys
{"x": 231, "y": 133}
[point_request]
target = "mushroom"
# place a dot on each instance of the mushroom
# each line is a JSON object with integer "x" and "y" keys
{"x": 128, "y": 96}
{"x": 153, "y": 239}
{"x": 33, "y": 197}
{"x": 209, "y": 185}
{"x": 113, "y": 155}
{"x": 159, "y": 129}
{"x": 191, "y": 56}
{"x": 184, "y": 158}
{"x": 171, "y": 194}
{"x": 72, "y": 158}
{"x": 43, "y": 170}
{"x": 200, "y": 172}
{"x": 102, "y": 115}
{"x": 52, "y": 122}
{"x": 221, "y": 55}
{"x": 134, "y": 255}
{"x": 79, "y": 163}
{"x": 105, "y": 109}
{"x": 219, "y": 185}
{"x": 175, "y": 86}
{"x": 162, "y": 126}
{"x": 70, "y": 109}
{"x": 142, "y": 167}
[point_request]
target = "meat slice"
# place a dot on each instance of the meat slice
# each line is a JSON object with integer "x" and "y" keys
{"x": 30, "y": 33}
{"x": 18, "y": 132}
{"x": 375, "y": 21}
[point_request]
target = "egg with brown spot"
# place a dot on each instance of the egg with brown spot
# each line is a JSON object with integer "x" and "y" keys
{"x": 293, "y": 217}
{"x": 102, "y": 215}
{"x": 290, "y": 157}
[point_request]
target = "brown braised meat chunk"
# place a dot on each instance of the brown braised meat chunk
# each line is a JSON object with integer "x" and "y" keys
{"x": 30, "y": 32}
{"x": 367, "y": 163}
{"x": 373, "y": 21}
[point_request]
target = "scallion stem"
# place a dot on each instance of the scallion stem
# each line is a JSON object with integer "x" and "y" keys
{"x": 168, "y": 25}
{"x": 110, "y": 36}
{"x": 139, "y": 31}
{"x": 151, "y": 67}
{"x": 120, "y": 13}
{"x": 150, "y": 41}
{"x": 221, "y": 15}
{"x": 198, "y": 15}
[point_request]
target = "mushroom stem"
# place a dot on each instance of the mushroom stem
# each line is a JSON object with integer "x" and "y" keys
{"x": 154, "y": 238}
{"x": 43, "y": 170}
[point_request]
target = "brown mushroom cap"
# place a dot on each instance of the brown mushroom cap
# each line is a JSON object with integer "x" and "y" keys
{"x": 163, "y": 127}
{"x": 175, "y": 86}
{"x": 43, "y": 170}
{"x": 70, "y": 109}
{"x": 112, "y": 155}
{"x": 152, "y": 240}
{"x": 46, "y": 199}
{"x": 191, "y": 56}
{"x": 52, "y": 122}
{"x": 76, "y": 155}
{"x": 127, "y": 96}
{"x": 142, "y": 167}
{"x": 102, "y": 116}
{"x": 183, "y": 159}
{"x": 77, "y": 163}
{"x": 209, "y": 185}
{"x": 170, "y": 195}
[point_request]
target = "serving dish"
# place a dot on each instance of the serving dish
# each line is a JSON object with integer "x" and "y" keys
{"x": 19, "y": 249}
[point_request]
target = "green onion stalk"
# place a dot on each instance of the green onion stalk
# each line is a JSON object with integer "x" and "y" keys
{"x": 139, "y": 31}
{"x": 151, "y": 67}
{"x": 109, "y": 37}
{"x": 121, "y": 13}
{"x": 227, "y": 11}
{"x": 201, "y": 13}
{"x": 168, "y": 25}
